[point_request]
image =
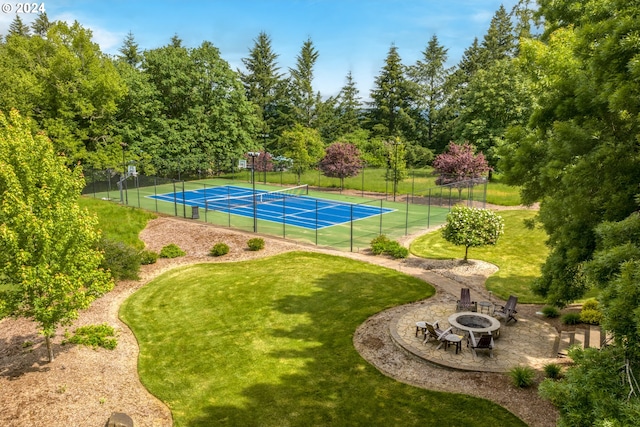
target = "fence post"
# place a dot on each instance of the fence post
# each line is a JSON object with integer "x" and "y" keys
{"x": 380, "y": 217}
{"x": 429, "y": 210}
{"x": 406, "y": 226}
{"x": 316, "y": 222}
{"x": 108, "y": 185}
{"x": 484, "y": 198}
{"x": 155, "y": 191}
{"x": 175, "y": 196}
{"x": 184, "y": 203}
{"x": 351, "y": 208}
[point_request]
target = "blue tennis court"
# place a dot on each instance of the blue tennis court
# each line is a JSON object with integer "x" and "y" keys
{"x": 280, "y": 207}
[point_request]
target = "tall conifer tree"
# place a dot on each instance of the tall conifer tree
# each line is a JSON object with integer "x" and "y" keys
{"x": 303, "y": 95}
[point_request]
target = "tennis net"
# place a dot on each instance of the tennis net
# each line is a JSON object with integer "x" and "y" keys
{"x": 228, "y": 203}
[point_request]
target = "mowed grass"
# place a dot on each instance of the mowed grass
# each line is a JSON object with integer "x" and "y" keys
{"x": 269, "y": 343}
{"x": 117, "y": 222}
{"x": 519, "y": 254}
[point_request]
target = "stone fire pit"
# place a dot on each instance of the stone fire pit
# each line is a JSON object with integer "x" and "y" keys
{"x": 477, "y": 323}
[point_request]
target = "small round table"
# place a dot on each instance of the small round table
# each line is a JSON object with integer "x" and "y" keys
{"x": 483, "y": 305}
{"x": 421, "y": 327}
{"x": 453, "y": 339}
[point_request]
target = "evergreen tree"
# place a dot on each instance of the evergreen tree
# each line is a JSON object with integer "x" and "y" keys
{"x": 349, "y": 107}
{"x": 130, "y": 52}
{"x": 303, "y": 95}
{"x": 41, "y": 25}
{"x": 18, "y": 28}
{"x": 499, "y": 42}
{"x": 389, "y": 115}
{"x": 431, "y": 77}
{"x": 265, "y": 87}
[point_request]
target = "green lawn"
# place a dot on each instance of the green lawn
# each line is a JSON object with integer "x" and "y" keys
{"x": 519, "y": 254}
{"x": 269, "y": 342}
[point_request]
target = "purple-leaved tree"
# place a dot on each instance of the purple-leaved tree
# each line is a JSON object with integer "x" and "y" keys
{"x": 341, "y": 160}
{"x": 460, "y": 163}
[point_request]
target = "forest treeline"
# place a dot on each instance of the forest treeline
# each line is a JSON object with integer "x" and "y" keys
{"x": 182, "y": 110}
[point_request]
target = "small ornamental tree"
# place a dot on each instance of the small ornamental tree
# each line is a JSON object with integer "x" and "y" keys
{"x": 459, "y": 163}
{"x": 396, "y": 164}
{"x": 341, "y": 160}
{"x": 472, "y": 227}
{"x": 263, "y": 163}
{"x": 49, "y": 264}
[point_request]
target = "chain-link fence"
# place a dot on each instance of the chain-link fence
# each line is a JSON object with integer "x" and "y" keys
{"x": 400, "y": 214}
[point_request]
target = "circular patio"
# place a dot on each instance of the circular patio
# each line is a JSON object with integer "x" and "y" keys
{"x": 527, "y": 342}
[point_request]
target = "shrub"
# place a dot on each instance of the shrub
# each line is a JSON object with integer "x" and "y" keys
{"x": 590, "y": 304}
{"x": 550, "y": 311}
{"x": 95, "y": 336}
{"x": 522, "y": 376}
{"x": 219, "y": 249}
{"x": 255, "y": 244}
{"x": 396, "y": 250}
{"x": 148, "y": 257}
{"x": 379, "y": 244}
{"x": 123, "y": 261}
{"x": 590, "y": 316}
{"x": 553, "y": 371}
{"x": 171, "y": 251}
{"x": 383, "y": 245}
{"x": 571, "y": 318}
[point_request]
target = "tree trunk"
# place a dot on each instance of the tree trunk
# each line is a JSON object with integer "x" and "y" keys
{"x": 466, "y": 252}
{"x": 49, "y": 349}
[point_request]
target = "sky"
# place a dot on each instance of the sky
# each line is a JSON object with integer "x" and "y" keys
{"x": 349, "y": 35}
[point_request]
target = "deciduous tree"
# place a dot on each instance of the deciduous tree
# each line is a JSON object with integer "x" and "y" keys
{"x": 303, "y": 146}
{"x": 459, "y": 163}
{"x": 472, "y": 227}
{"x": 341, "y": 160}
{"x": 49, "y": 265}
{"x": 579, "y": 153}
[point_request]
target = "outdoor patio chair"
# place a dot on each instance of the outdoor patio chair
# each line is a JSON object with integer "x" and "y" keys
{"x": 434, "y": 331}
{"x": 508, "y": 310}
{"x": 485, "y": 342}
{"x": 465, "y": 303}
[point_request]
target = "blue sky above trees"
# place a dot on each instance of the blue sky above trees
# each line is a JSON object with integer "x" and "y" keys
{"x": 349, "y": 34}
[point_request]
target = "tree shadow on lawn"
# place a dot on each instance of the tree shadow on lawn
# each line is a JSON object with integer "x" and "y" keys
{"x": 337, "y": 386}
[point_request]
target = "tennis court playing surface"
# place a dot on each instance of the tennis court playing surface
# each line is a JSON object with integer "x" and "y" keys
{"x": 290, "y": 207}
